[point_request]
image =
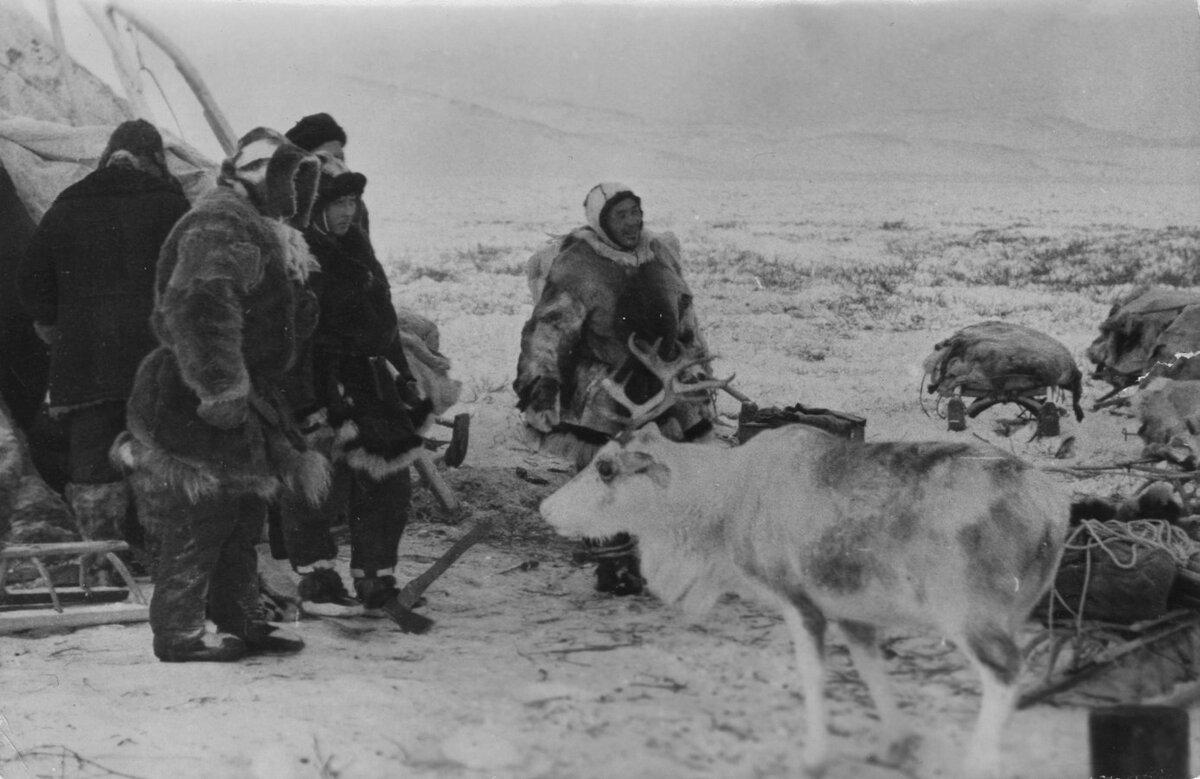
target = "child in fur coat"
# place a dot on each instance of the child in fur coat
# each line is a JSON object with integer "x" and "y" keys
{"x": 362, "y": 381}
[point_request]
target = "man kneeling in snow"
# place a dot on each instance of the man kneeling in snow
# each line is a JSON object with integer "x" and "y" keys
{"x": 609, "y": 280}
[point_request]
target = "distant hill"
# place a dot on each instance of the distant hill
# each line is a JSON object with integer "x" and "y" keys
{"x": 430, "y": 134}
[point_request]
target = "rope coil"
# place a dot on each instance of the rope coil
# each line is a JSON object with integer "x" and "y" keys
{"x": 1124, "y": 544}
{"x": 1139, "y": 534}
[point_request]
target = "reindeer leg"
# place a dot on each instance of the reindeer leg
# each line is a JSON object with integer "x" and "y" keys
{"x": 897, "y": 741}
{"x": 807, "y": 626}
{"x": 996, "y": 656}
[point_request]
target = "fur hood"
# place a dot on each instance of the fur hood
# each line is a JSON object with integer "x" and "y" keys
{"x": 277, "y": 176}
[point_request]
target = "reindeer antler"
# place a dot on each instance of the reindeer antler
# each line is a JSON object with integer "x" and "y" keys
{"x": 668, "y": 372}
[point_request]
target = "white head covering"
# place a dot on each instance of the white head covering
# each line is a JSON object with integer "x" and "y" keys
{"x": 599, "y": 200}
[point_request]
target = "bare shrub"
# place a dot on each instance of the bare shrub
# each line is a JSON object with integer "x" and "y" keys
{"x": 432, "y": 273}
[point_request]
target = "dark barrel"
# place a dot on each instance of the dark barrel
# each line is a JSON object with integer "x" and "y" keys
{"x": 1139, "y": 742}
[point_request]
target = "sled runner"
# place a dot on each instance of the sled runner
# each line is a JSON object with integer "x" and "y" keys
{"x": 69, "y": 607}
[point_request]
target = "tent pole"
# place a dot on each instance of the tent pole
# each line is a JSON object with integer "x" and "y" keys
{"x": 216, "y": 120}
{"x": 127, "y": 69}
{"x": 65, "y": 62}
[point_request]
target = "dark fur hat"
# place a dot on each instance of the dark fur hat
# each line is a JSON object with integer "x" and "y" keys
{"x": 136, "y": 136}
{"x": 337, "y": 180}
{"x": 314, "y": 130}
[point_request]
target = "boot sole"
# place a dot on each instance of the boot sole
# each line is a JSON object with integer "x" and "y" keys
{"x": 331, "y": 609}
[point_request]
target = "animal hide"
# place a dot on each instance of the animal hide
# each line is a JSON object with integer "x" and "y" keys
{"x": 1148, "y": 326}
{"x": 1000, "y": 359}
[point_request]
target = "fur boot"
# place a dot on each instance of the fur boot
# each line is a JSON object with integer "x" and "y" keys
{"x": 99, "y": 509}
{"x": 101, "y": 515}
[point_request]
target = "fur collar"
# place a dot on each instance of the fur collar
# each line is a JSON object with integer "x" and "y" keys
{"x": 643, "y": 252}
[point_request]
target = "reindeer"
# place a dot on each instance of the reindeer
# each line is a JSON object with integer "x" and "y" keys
{"x": 959, "y": 537}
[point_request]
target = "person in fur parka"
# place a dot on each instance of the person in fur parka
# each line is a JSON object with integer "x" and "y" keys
{"x": 209, "y": 438}
{"x": 362, "y": 380}
{"x": 610, "y": 279}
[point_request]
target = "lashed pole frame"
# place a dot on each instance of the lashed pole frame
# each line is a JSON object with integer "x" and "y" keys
{"x": 127, "y": 68}
{"x": 131, "y": 79}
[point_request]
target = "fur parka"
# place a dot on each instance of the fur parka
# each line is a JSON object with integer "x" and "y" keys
{"x": 231, "y": 309}
{"x": 355, "y": 350}
{"x": 577, "y": 335}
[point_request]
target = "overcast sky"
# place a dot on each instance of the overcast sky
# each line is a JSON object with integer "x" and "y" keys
{"x": 1120, "y": 65}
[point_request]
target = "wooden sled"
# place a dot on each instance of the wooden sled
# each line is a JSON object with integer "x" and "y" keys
{"x": 69, "y": 607}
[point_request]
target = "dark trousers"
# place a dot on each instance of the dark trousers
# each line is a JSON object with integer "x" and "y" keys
{"x": 376, "y": 511}
{"x": 24, "y": 368}
{"x": 91, "y": 431}
{"x": 207, "y": 564}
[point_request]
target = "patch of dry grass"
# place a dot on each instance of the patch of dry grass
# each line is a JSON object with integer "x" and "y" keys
{"x": 1022, "y": 257}
{"x": 834, "y": 263}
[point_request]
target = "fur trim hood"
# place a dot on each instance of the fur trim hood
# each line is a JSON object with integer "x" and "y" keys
{"x": 337, "y": 180}
{"x": 601, "y": 199}
{"x": 277, "y": 176}
{"x": 646, "y": 250}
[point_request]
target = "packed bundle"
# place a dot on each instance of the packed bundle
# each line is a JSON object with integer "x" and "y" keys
{"x": 1148, "y": 326}
{"x": 1000, "y": 362}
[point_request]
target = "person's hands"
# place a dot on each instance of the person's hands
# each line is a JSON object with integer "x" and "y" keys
{"x": 307, "y": 311}
{"x": 542, "y": 412}
{"x": 419, "y": 409}
{"x": 225, "y": 413}
{"x": 409, "y": 393}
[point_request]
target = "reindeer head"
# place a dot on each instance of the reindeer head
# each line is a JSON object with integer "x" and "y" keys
{"x": 624, "y": 482}
{"x": 618, "y": 489}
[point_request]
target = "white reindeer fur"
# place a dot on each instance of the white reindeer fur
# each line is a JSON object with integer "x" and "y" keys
{"x": 962, "y": 538}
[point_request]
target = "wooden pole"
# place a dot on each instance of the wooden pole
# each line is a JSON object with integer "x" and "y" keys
{"x": 78, "y": 617}
{"x": 65, "y": 63}
{"x": 436, "y": 484}
{"x": 216, "y": 119}
{"x": 127, "y": 70}
{"x": 61, "y": 550}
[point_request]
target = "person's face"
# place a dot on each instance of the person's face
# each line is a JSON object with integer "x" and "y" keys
{"x": 624, "y": 223}
{"x": 334, "y": 148}
{"x": 339, "y": 214}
